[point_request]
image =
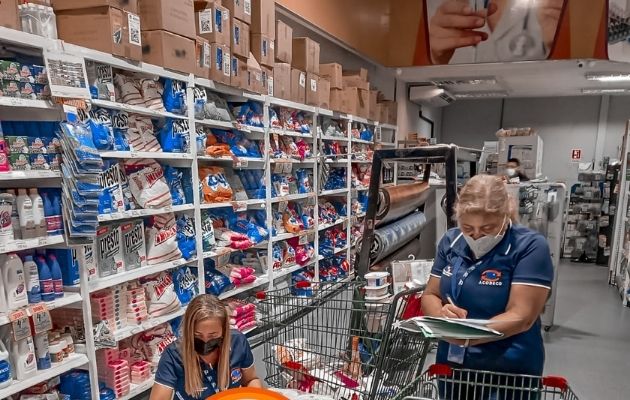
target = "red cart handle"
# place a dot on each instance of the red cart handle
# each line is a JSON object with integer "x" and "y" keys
{"x": 440, "y": 370}
{"x": 557, "y": 382}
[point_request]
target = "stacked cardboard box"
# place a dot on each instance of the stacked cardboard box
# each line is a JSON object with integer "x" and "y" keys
{"x": 9, "y": 14}
{"x": 305, "y": 60}
{"x": 110, "y": 26}
{"x": 213, "y": 26}
{"x": 283, "y": 57}
{"x": 262, "y": 42}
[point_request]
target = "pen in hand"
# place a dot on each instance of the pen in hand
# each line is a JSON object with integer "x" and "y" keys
{"x": 450, "y": 300}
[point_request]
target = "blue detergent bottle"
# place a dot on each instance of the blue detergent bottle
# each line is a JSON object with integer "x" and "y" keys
{"x": 46, "y": 284}
{"x": 49, "y": 213}
{"x": 56, "y": 207}
{"x": 57, "y": 276}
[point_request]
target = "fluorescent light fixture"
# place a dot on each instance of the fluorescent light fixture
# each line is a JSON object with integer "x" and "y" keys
{"x": 481, "y": 94}
{"x": 610, "y": 77}
{"x": 604, "y": 91}
{"x": 482, "y": 80}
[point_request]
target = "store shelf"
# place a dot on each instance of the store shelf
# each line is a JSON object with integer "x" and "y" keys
{"x": 221, "y": 251}
{"x": 67, "y": 299}
{"x": 335, "y": 138}
{"x": 292, "y": 161}
{"x": 283, "y": 132}
{"x": 28, "y": 103}
{"x": 129, "y": 331}
{"x": 341, "y": 162}
{"x": 388, "y": 126}
{"x": 143, "y": 213}
{"x": 158, "y": 155}
{"x": 136, "y": 390}
{"x": 28, "y": 175}
{"x": 261, "y": 280}
{"x": 285, "y": 236}
{"x": 27, "y": 244}
{"x": 228, "y": 90}
{"x": 323, "y": 227}
{"x": 385, "y": 144}
{"x": 354, "y": 140}
{"x": 73, "y": 361}
{"x": 236, "y": 204}
{"x": 237, "y": 162}
{"x": 361, "y": 161}
{"x": 112, "y": 105}
{"x": 125, "y": 276}
{"x": 274, "y": 101}
{"x": 334, "y": 192}
{"x": 277, "y": 274}
{"x": 292, "y": 197}
{"x": 215, "y": 123}
{"x": 362, "y": 120}
{"x": 361, "y": 188}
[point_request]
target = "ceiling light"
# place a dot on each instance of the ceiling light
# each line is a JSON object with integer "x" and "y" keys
{"x": 483, "y": 80}
{"x": 604, "y": 91}
{"x": 481, "y": 95}
{"x": 614, "y": 77}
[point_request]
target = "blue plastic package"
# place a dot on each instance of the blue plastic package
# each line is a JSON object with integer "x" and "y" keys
{"x": 174, "y": 96}
{"x": 187, "y": 185}
{"x": 100, "y": 124}
{"x": 174, "y": 135}
{"x": 185, "y": 283}
{"x": 173, "y": 178}
{"x": 216, "y": 282}
{"x": 186, "y": 236}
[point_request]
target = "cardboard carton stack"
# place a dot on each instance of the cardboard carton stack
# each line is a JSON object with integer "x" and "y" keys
{"x": 283, "y": 58}
{"x": 241, "y": 19}
{"x": 110, "y": 26}
{"x": 306, "y": 84}
{"x": 262, "y": 44}
{"x": 212, "y": 24}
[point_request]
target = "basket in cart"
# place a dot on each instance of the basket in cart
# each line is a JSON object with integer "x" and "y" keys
{"x": 442, "y": 382}
{"x": 339, "y": 345}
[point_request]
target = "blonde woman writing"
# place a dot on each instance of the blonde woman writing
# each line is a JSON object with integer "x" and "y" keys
{"x": 207, "y": 359}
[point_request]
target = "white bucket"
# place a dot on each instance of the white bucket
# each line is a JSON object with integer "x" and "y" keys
{"x": 377, "y": 279}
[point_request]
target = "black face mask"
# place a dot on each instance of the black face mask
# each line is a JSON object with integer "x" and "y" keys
{"x": 204, "y": 348}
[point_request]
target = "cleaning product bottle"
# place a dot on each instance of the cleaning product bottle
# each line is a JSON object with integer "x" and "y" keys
{"x": 49, "y": 214}
{"x": 15, "y": 217}
{"x": 3, "y": 295}
{"x": 41, "y": 349}
{"x": 14, "y": 282}
{"x": 39, "y": 218}
{"x": 56, "y": 203}
{"x": 23, "y": 357}
{"x": 57, "y": 277}
{"x": 46, "y": 285}
{"x": 25, "y": 211}
{"x": 6, "y": 207}
{"x": 32, "y": 280}
{"x": 5, "y": 366}
{"x": 4, "y": 156}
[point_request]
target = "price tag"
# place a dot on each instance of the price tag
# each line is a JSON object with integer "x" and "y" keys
{"x": 310, "y": 200}
{"x": 3, "y": 249}
{"x": 21, "y": 327}
{"x": 135, "y": 213}
{"x": 303, "y": 240}
{"x": 42, "y": 321}
{"x": 282, "y": 206}
{"x": 177, "y": 263}
{"x": 240, "y": 163}
{"x": 246, "y": 129}
{"x": 21, "y": 245}
{"x": 134, "y": 154}
{"x": 310, "y": 237}
{"x": 239, "y": 206}
{"x": 42, "y": 241}
{"x": 223, "y": 259}
{"x": 278, "y": 168}
{"x": 168, "y": 209}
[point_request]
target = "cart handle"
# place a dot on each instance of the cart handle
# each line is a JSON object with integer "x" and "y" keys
{"x": 440, "y": 370}
{"x": 557, "y": 382}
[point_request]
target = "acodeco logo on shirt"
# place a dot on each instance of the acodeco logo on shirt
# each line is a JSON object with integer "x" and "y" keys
{"x": 491, "y": 277}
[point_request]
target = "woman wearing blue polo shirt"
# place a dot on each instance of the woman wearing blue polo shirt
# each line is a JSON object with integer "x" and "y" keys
{"x": 491, "y": 268}
{"x": 207, "y": 359}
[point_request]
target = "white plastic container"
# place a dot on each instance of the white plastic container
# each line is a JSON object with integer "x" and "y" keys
{"x": 39, "y": 217}
{"x": 41, "y": 349}
{"x": 23, "y": 357}
{"x": 6, "y": 208}
{"x": 25, "y": 211}
{"x": 15, "y": 217}
{"x": 377, "y": 279}
{"x": 3, "y": 295}
{"x": 376, "y": 292}
{"x": 14, "y": 282}
{"x": 67, "y": 337}
{"x": 5, "y": 366}
{"x": 57, "y": 352}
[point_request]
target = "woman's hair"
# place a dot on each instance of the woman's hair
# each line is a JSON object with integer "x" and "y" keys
{"x": 486, "y": 194}
{"x": 201, "y": 308}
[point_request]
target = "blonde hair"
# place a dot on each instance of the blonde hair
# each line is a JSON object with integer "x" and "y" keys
{"x": 486, "y": 194}
{"x": 201, "y": 308}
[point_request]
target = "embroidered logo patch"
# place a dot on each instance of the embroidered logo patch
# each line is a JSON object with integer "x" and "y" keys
{"x": 448, "y": 271}
{"x": 491, "y": 277}
{"x": 236, "y": 375}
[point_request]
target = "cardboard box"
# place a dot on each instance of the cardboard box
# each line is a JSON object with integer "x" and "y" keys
{"x": 238, "y": 72}
{"x": 334, "y": 73}
{"x": 355, "y": 81}
{"x": 177, "y": 17}
{"x": 282, "y": 81}
{"x": 125, "y": 5}
{"x": 240, "y": 38}
{"x": 323, "y": 90}
{"x": 263, "y": 49}
{"x": 169, "y": 50}
{"x": 362, "y": 73}
{"x": 240, "y": 9}
{"x": 267, "y": 80}
{"x": 338, "y": 100}
{"x": 203, "y": 60}
{"x": 264, "y": 18}
{"x": 284, "y": 42}
{"x": 312, "y": 83}
{"x": 298, "y": 86}
{"x": 221, "y": 60}
{"x": 9, "y": 14}
{"x": 358, "y": 101}
{"x": 373, "y": 109}
{"x": 212, "y": 22}
{"x": 254, "y": 75}
{"x": 97, "y": 28}
{"x": 306, "y": 55}
{"x": 388, "y": 112}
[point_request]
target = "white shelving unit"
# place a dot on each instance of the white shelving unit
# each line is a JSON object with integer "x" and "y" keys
{"x": 185, "y": 160}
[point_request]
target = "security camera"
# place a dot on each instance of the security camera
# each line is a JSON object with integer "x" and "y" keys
{"x": 580, "y": 64}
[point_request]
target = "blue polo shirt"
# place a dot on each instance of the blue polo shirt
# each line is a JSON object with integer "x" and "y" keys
{"x": 521, "y": 258}
{"x": 170, "y": 371}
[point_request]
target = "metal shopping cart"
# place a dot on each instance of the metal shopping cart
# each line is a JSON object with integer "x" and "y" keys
{"x": 441, "y": 382}
{"x": 337, "y": 344}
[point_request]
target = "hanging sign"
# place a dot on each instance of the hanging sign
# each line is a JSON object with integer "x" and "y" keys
{"x": 576, "y": 154}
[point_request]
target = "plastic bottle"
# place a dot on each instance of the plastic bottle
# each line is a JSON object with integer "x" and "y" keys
{"x": 41, "y": 349}
{"x": 46, "y": 285}
{"x": 3, "y": 295}
{"x": 6, "y": 208}
{"x": 14, "y": 282}
{"x": 23, "y": 357}
{"x": 39, "y": 217}
{"x": 56, "y": 202}
{"x": 49, "y": 213}
{"x": 57, "y": 277}
{"x": 25, "y": 211}
{"x": 15, "y": 217}
{"x": 5, "y": 366}
{"x": 31, "y": 274}
{"x": 4, "y": 156}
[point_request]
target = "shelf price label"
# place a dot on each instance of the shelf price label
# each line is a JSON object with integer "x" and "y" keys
{"x": 239, "y": 206}
{"x": 42, "y": 321}
{"x": 223, "y": 259}
{"x": 21, "y": 326}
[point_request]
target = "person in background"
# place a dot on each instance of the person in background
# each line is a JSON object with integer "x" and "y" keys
{"x": 513, "y": 171}
{"x": 207, "y": 359}
{"x": 489, "y": 267}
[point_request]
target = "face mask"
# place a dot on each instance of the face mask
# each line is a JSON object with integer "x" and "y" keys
{"x": 204, "y": 348}
{"x": 483, "y": 245}
{"x": 510, "y": 172}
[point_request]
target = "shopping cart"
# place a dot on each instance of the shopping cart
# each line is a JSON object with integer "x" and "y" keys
{"x": 441, "y": 382}
{"x": 336, "y": 344}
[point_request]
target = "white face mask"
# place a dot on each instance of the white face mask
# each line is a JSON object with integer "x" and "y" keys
{"x": 484, "y": 244}
{"x": 510, "y": 172}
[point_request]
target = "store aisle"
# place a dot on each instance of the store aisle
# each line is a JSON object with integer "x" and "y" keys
{"x": 590, "y": 342}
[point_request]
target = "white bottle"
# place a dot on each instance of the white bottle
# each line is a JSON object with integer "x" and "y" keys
{"x": 14, "y": 282}
{"x": 39, "y": 218}
{"x": 31, "y": 274}
{"x": 25, "y": 210}
{"x": 15, "y": 217}
{"x": 23, "y": 357}
{"x": 6, "y": 208}
{"x": 5, "y": 366}
{"x": 41, "y": 349}
{"x": 3, "y": 295}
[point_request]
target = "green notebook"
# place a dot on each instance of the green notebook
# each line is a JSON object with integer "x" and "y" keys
{"x": 442, "y": 328}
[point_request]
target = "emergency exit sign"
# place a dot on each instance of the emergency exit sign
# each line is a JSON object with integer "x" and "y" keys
{"x": 576, "y": 154}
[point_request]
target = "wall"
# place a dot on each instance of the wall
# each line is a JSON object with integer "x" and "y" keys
{"x": 563, "y": 123}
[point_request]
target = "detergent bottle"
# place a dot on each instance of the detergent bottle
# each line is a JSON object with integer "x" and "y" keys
{"x": 39, "y": 217}
{"x": 46, "y": 285}
{"x": 15, "y": 217}
{"x": 25, "y": 212}
{"x": 14, "y": 282}
{"x": 5, "y": 367}
{"x": 57, "y": 278}
{"x": 32, "y": 280}
{"x": 23, "y": 356}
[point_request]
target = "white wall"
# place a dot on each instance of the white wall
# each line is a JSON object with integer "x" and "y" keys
{"x": 563, "y": 123}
